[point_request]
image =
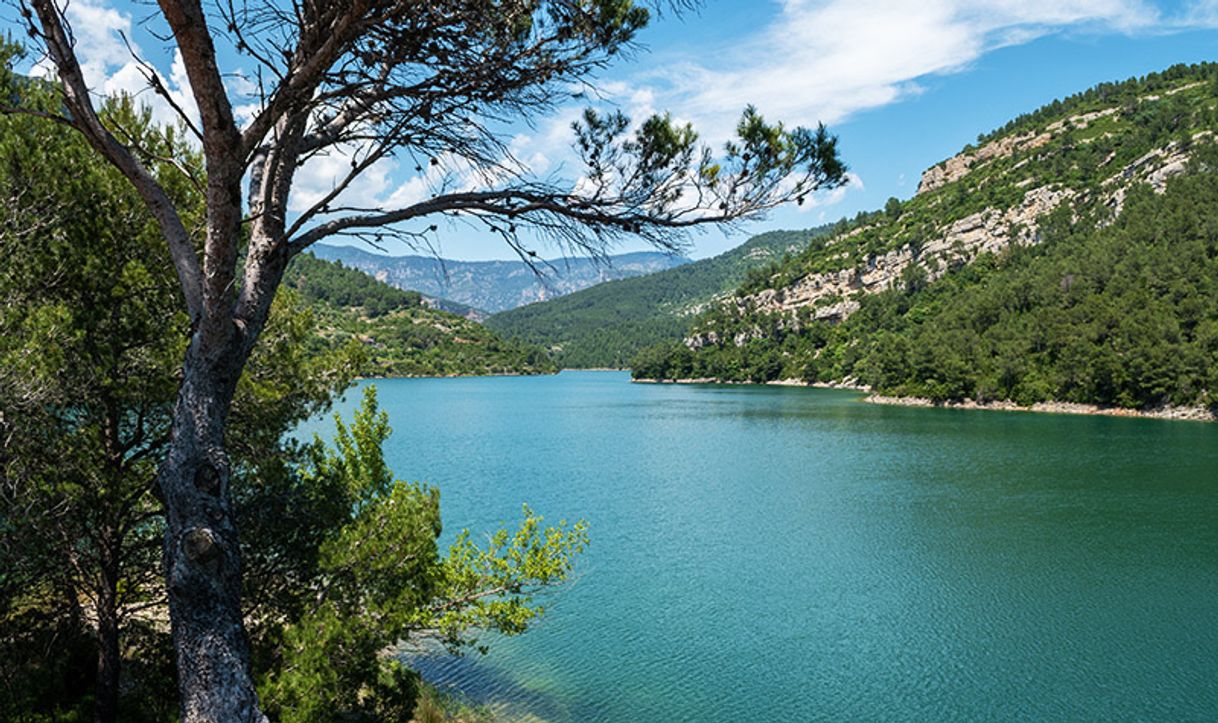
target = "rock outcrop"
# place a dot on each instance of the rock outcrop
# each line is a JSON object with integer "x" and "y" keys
{"x": 959, "y": 166}
{"x": 834, "y": 295}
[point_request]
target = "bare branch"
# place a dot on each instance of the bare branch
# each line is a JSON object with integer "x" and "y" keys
{"x": 189, "y": 25}
{"x": 154, "y": 81}
{"x": 646, "y": 185}
{"x": 54, "y": 117}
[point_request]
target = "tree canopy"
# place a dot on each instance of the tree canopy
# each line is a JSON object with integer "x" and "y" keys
{"x": 439, "y": 83}
{"x": 1110, "y": 302}
{"x": 90, "y": 355}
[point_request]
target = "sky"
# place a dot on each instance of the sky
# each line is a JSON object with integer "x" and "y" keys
{"x": 904, "y": 84}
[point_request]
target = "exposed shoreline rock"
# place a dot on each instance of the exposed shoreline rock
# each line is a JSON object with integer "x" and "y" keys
{"x": 1188, "y": 414}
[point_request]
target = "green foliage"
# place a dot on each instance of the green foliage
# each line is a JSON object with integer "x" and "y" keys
{"x": 435, "y": 706}
{"x": 1146, "y": 114}
{"x": 399, "y": 335}
{"x": 379, "y": 579}
{"x": 332, "y": 283}
{"x": 1107, "y": 311}
{"x": 340, "y": 558}
{"x": 1125, "y": 94}
{"x": 661, "y": 164}
{"x": 607, "y": 324}
{"x": 87, "y": 350}
{"x": 1123, "y": 315}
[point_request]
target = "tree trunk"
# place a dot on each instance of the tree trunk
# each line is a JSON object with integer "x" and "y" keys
{"x": 109, "y": 658}
{"x": 202, "y": 557}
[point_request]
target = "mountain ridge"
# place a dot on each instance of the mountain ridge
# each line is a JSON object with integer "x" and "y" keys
{"x": 605, "y": 325}
{"x": 494, "y": 286}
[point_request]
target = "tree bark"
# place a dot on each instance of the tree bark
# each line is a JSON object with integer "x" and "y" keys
{"x": 109, "y": 657}
{"x": 202, "y": 557}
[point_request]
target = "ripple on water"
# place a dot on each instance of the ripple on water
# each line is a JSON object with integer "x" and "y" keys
{"x": 792, "y": 554}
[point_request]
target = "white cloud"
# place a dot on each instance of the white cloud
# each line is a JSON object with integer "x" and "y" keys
{"x": 1203, "y": 13}
{"x": 111, "y": 65}
{"x": 835, "y": 195}
{"x": 96, "y": 29}
{"x": 814, "y": 60}
{"x": 826, "y": 60}
{"x": 320, "y": 175}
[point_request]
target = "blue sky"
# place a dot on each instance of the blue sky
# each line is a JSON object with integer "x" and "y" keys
{"x": 903, "y": 84}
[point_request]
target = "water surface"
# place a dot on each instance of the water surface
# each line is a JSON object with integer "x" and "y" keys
{"x": 794, "y": 554}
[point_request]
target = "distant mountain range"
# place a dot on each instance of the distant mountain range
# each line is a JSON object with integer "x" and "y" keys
{"x": 606, "y": 325}
{"x": 494, "y": 286}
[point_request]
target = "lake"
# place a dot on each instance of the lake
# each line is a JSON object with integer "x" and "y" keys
{"x": 791, "y": 554}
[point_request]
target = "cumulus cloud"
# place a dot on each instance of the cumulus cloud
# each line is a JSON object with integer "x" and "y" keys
{"x": 113, "y": 64}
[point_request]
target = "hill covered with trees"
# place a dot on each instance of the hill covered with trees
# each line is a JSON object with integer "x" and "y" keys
{"x": 1071, "y": 256}
{"x": 400, "y": 334}
{"x": 607, "y": 324}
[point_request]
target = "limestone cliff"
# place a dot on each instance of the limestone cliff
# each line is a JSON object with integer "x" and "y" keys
{"x": 1028, "y": 174}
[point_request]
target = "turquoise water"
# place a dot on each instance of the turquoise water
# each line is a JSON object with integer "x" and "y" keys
{"x": 792, "y": 554}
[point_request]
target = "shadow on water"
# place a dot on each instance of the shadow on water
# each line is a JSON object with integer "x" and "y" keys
{"x": 473, "y": 678}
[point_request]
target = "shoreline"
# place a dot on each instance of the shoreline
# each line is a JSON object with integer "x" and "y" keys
{"x": 595, "y": 369}
{"x": 1180, "y": 414}
{"x": 775, "y": 383}
{"x": 456, "y": 376}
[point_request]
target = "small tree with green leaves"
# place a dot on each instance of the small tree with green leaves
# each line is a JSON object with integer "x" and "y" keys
{"x": 380, "y": 579}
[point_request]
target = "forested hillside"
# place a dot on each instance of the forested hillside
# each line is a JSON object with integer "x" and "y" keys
{"x": 400, "y": 334}
{"x": 494, "y": 286}
{"x": 1072, "y": 257}
{"x": 606, "y": 325}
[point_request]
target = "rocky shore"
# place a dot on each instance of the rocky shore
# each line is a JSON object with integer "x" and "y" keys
{"x": 1191, "y": 414}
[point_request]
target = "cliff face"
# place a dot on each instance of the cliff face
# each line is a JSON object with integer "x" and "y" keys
{"x": 991, "y": 230}
{"x": 959, "y": 166}
{"x": 1014, "y": 182}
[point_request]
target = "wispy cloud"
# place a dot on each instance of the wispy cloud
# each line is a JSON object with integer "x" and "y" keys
{"x": 826, "y": 60}
{"x": 812, "y": 61}
{"x": 823, "y": 61}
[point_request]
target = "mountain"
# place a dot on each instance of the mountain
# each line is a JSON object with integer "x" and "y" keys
{"x": 495, "y": 285}
{"x": 402, "y": 335}
{"x": 1071, "y": 256}
{"x": 607, "y": 324}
